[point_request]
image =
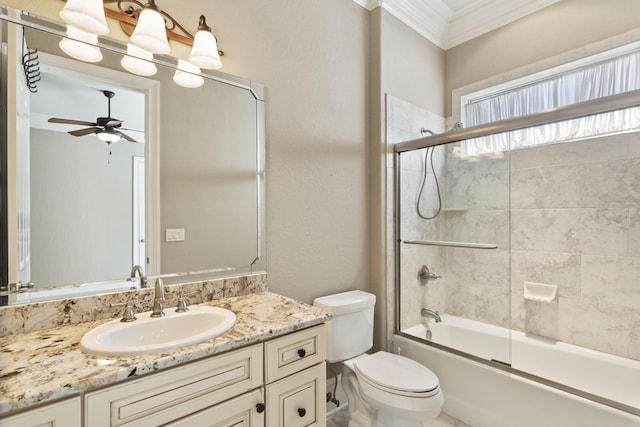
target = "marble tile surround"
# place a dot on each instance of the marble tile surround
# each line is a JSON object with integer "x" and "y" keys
{"x": 24, "y": 318}
{"x": 565, "y": 214}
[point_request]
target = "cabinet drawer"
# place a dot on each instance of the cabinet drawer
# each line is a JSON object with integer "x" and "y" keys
{"x": 238, "y": 412}
{"x": 298, "y": 400}
{"x": 292, "y": 353}
{"x": 65, "y": 413}
{"x": 168, "y": 396}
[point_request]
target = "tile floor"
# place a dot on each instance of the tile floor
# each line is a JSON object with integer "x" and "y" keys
{"x": 341, "y": 419}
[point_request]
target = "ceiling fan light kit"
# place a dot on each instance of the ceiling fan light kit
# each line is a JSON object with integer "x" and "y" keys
{"x": 149, "y": 29}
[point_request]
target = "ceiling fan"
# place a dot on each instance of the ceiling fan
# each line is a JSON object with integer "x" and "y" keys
{"x": 105, "y": 128}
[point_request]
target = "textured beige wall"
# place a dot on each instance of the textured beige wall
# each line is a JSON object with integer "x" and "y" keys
{"x": 564, "y": 26}
{"x": 413, "y": 68}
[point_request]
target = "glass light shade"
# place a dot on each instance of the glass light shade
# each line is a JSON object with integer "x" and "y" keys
{"x": 150, "y": 33}
{"x": 81, "y": 45}
{"x": 137, "y": 61}
{"x": 108, "y": 136}
{"x": 187, "y": 75}
{"x": 204, "y": 53}
{"x": 87, "y": 15}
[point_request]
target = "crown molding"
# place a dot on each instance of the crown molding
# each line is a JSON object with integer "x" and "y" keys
{"x": 368, "y": 4}
{"x": 484, "y": 16}
{"x": 436, "y": 22}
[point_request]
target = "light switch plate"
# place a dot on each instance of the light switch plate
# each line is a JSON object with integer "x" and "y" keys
{"x": 174, "y": 235}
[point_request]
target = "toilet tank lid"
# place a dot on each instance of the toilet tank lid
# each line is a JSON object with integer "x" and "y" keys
{"x": 346, "y": 302}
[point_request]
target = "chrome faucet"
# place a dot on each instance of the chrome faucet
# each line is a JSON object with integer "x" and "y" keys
{"x": 158, "y": 299}
{"x": 425, "y": 312}
{"x": 137, "y": 271}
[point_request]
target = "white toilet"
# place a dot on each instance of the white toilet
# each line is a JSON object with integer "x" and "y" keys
{"x": 383, "y": 389}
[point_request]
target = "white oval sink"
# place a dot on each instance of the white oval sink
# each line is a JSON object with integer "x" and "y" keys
{"x": 153, "y": 335}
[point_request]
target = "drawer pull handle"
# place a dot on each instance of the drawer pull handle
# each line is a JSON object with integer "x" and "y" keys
{"x": 302, "y": 352}
{"x": 260, "y": 408}
{"x": 302, "y": 412}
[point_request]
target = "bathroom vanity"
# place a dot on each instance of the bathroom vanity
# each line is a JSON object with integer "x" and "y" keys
{"x": 268, "y": 370}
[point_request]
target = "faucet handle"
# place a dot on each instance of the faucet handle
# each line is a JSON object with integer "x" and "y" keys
{"x": 183, "y": 303}
{"x": 128, "y": 315}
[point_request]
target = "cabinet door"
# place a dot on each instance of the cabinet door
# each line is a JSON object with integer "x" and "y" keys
{"x": 66, "y": 413}
{"x": 298, "y": 400}
{"x": 243, "y": 411}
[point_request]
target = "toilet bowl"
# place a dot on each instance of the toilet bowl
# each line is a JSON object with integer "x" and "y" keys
{"x": 388, "y": 390}
{"x": 383, "y": 389}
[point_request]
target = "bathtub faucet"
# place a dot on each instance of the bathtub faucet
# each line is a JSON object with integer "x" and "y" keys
{"x": 425, "y": 312}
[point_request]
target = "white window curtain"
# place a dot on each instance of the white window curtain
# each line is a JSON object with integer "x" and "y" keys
{"x": 614, "y": 76}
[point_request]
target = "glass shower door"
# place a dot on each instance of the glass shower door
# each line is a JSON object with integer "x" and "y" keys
{"x": 454, "y": 226}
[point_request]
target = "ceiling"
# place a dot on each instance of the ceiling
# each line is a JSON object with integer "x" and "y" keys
{"x": 448, "y": 23}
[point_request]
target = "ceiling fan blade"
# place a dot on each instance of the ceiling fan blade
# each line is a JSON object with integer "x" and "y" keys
{"x": 132, "y": 130}
{"x": 125, "y": 136}
{"x": 71, "y": 122}
{"x": 114, "y": 123}
{"x": 83, "y": 132}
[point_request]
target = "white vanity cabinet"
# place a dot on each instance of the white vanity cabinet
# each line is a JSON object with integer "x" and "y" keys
{"x": 276, "y": 383}
{"x": 65, "y": 413}
{"x": 296, "y": 379}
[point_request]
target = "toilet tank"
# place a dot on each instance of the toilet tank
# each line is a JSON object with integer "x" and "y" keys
{"x": 350, "y": 330}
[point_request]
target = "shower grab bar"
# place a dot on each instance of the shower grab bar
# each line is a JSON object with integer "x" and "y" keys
{"x": 451, "y": 244}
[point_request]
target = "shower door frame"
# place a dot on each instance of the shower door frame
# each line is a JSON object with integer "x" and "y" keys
{"x": 575, "y": 111}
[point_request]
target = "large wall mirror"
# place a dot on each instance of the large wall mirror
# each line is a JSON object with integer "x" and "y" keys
{"x": 179, "y": 195}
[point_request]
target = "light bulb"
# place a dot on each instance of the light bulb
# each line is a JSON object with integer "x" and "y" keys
{"x": 87, "y": 15}
{"x": 138, "y": 61}
{"x": 81, "y": 45}
{"x": 187, "y": 75}
{"x": 204, "y": 52}
{"x": 150, "y": 33}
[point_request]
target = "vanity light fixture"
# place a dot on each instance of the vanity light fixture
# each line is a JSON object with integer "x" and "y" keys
{"x": 187, "y": 75}
{"x": 81, "y": 45}
{"x": 149, "y": 29}
{"x": 138, "y": 61}
{"x": 150, "y": 33}
{"x": 204, "y": 53}
{"x": 87, "y": 15}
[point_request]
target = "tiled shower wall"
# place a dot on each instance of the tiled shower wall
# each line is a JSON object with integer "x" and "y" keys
{"x": 575, "y": 223}
{"x": 565, "y": 214}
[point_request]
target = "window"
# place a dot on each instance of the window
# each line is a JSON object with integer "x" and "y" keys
{"x": 614, "y": 72}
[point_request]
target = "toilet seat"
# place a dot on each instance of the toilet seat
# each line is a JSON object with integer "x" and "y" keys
{"x": 397, "y": 375}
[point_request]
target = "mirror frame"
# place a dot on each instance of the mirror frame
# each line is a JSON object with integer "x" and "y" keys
{"x": 8, "y": 292}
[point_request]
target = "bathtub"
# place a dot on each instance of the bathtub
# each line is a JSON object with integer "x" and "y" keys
{"x": 483, "y": 396}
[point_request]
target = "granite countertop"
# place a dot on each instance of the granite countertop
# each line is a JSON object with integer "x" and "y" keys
{"x": 42, "y": 366}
